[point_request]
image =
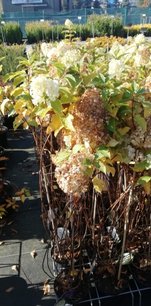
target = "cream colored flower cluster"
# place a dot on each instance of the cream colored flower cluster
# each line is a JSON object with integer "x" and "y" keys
{"x": 43, "y": 90}
{"x": 70, "y": 174}
{"x": 64, "y": 52}
{"x": 123, "y": 60}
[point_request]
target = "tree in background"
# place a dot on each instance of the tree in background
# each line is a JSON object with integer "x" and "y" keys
{"x": 96, "y": 4}
{"x": 77, "y": 4}
{"x": 87, "y": 3}
{"x": 64, "y": 5}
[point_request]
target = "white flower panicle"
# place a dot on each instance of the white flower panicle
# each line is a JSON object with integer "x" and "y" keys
{"x": 68, "y": 23}
{"x": 57, "y": 52}
{"x": 29, "y": 51}
{"x": 71, "y": 58}
{"x": 148, "y": 83}
{"x": 139, "y": 39}
{"x": 142, "y": 56}
{"x": 43, "y": 90}
{"x": 116, "y": 67}
{"x": 45, "y": 48}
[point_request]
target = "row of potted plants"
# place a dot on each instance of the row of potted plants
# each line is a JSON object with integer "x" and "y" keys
{"x": 49, "y": 30}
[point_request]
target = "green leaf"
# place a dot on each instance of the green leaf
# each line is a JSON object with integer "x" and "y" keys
{"x": 127, "y": 95}
{"x": 147, "y": 108}
{"x": 87, "y": 162}
{"x": 141, "y": 91}
{"x": 89, "y": 171}
{"x": 32, "y": 123}
{"x": 2, "y": 58}
{"x": 123, "y": 131}
{"x": 112, "y": 143}
{"x": 19, "y": 79}
{"x": 103, "y": 151}
{"x": 141, "y": 122}
{"x": 87, "y": 78}
{"x": 135, "y": 87}
{"x": 65, "y": 90}
{"x": 71, "y": 79}
{"x": 60, "y": 157}
{"x": 99, "y": 80}
{"x": 140, "y": 166}
{"x": 113, "y": 109}
{"x": 124, "y": 111}
{"x": 56, "y": 106}
{"x": 111, "y": 126}
{"x": 143, "y": 180}
{"x": 60, "y": 67}
{"x": 13, "y": 75}
{"x": 102, "y": 167}
{"x": 42, "y": 112}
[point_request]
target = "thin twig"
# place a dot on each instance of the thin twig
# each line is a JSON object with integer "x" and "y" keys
{"x": 125, "y": 230}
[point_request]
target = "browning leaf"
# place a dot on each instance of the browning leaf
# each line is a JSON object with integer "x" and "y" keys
{"x": 46, "y": 289}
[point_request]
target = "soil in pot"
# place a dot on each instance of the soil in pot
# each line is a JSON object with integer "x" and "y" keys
{"x": 71, "y": 285}
{"x": 3, "y": 136}
{"x": 141, "y": 270}
{"x": 105, "y": 276}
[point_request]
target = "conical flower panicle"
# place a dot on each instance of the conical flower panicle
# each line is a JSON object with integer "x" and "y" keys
{"x": 70, "y": 174}
{"x": 89, "y": 118}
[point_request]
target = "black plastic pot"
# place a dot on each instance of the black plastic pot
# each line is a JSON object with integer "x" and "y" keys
{"x": 3, "y": 136}
{"x": 71, "y": 285}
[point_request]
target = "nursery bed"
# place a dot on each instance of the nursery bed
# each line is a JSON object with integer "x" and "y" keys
{"x": 133, "y": 296}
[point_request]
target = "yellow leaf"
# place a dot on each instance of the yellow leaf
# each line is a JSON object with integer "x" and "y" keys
{"x": 49, "y": 130}
{"x": 110, "y": 169}
{"x": 17, "y": 91}
{"x": 46, "y": 289}
{"x": 99, "y": 184}
{"x": 147, "y": 187}
{"x": 19, "y": 106}
{"x": 20, "y": 192}
{"x": 56, "y": 123}
{"x": 22, "y": 198}
{"x": 68, "y": 122}
{"x": 147, "y": 112}
{"x": 1, "y": 97}
{"x": 123, "y": 131}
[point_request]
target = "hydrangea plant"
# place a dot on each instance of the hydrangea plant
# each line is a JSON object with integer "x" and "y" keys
{"x": 89, "y": 108}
